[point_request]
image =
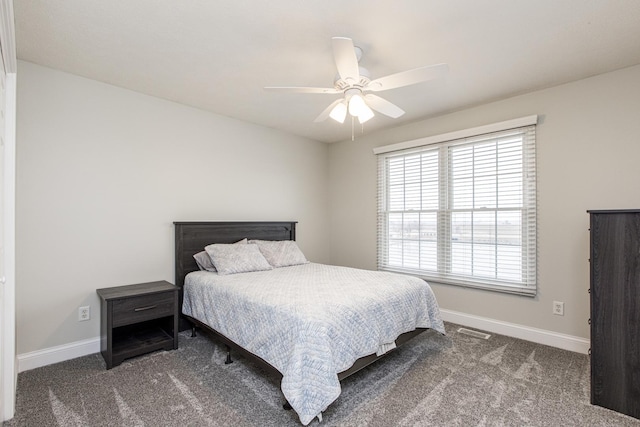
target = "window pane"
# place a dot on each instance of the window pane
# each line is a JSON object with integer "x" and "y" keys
{"x": 461, "y": 170}
{"x": 411, "y": 256}
{"x": 430, "y": 195}
{"x": 511, "y": 189}
{"x": 412, "y": 182}
{"x": 395, "y": 226}
{"x": 429, "y": 226}
{"x": 509, "y": 230}
{"x": 510, "y": 183}
{"x": 484, "y": 194}
{"x": 396, "y": 184}
{"x": 395, "y": 253}
{"x": 484, "y": 260}
{"x": 462, "y": 195}
{"x": 510, "y": 263}
{"x": 429, "y": 241}
{"x": 411, "y": 226}
{"x": 461, "y": 243}
{"x": 429, "y": 255}
{"x": 484, "y": 227}
{"x": 461, "y": 229}
{"x": 461, "y": 258}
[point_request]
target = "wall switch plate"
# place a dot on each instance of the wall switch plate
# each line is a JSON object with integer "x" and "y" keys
{"x": 558, "y": 308}
{"x": 84, "y": 313}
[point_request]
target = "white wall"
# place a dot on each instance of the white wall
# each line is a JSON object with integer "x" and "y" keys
{"x": 588, "y": 149}
{"x": 102, "y": 173}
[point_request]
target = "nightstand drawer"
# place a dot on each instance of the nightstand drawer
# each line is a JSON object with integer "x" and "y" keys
{"x": 145, "y": 307}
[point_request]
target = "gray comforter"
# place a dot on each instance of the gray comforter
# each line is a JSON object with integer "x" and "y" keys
{"x": 311, "y": 321}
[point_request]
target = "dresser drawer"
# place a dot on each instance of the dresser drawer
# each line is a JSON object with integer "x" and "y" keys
{"x": 142, "y": 308}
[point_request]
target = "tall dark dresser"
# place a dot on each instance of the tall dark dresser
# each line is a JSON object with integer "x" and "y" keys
{"x": 615, "y": 310}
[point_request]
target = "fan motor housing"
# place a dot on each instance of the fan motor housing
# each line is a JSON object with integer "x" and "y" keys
{"x": 365, "y": 78}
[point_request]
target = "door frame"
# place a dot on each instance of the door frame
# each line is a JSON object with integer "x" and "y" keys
{"x": 8, "y": 367}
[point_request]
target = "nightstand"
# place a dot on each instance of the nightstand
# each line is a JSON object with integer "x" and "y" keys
{"x": 137, "y": 319}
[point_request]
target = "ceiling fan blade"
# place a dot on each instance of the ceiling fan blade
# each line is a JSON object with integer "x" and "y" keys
{"x": 293, "y": 89}
{"x": 346, "y": 59}
{"x": 325, "y": 114}
{"x": 383, "y": 106}
{"x": 409, "y": 77}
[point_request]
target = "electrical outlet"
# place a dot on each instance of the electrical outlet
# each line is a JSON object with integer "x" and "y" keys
{"x": 84, "y": 313}
{"x": 558, "y": 308}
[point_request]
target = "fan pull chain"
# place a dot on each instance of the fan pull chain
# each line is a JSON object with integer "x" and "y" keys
{"x": 353, "y": 138}
{"x": 353, "y": 127}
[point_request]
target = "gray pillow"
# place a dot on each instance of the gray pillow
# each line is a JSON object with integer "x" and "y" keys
{"x": 281, "y": 253}
{"x": 231, "y": 259}
{"x": 203, "y": 260}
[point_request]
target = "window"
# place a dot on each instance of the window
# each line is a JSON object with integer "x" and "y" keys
{"x": 461, "y": 208}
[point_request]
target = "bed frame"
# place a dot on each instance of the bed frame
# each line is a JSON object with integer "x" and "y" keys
{"x": 192, "y": 237}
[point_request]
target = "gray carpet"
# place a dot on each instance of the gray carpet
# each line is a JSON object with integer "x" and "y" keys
{"x": 453, "y": 380}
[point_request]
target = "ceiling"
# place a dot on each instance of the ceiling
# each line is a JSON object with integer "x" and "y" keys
{"x": 218, "y": 55}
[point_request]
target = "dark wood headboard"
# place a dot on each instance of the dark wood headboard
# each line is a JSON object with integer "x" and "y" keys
{"x": 192, "y": 237}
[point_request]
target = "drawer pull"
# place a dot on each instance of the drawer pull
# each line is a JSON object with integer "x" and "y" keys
{"x": 149, "y": 307}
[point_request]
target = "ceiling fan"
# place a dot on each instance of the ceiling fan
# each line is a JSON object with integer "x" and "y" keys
{"x": 354, "y": 82}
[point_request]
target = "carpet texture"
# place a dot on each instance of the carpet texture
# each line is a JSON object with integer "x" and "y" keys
{"x": 453, "y": 380}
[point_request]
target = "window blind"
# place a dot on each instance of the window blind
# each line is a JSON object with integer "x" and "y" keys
{"x": 462, "y": 211}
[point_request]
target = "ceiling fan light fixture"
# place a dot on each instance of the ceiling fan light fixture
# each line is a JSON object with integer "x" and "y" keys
{"x": 365, "y": 114}
{"x": 356, "y": 105}
{"x": 339, "y": 112}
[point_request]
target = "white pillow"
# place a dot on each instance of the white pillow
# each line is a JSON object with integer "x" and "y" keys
{"x": 281, "y": 253}
{"x": 231, "y": 259}
{"x": 203, "y": 260}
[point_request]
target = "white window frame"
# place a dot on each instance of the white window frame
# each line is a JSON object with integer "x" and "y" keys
{"x": 525, "y": 210}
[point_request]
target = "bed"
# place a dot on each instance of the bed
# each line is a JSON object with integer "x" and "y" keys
{"x": 300, "y": 322}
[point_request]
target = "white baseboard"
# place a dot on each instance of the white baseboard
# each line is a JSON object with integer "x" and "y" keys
{"x": 540, "y": 336}
{"x": 60, "y": 353}
{"x": 48, "y": 356}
